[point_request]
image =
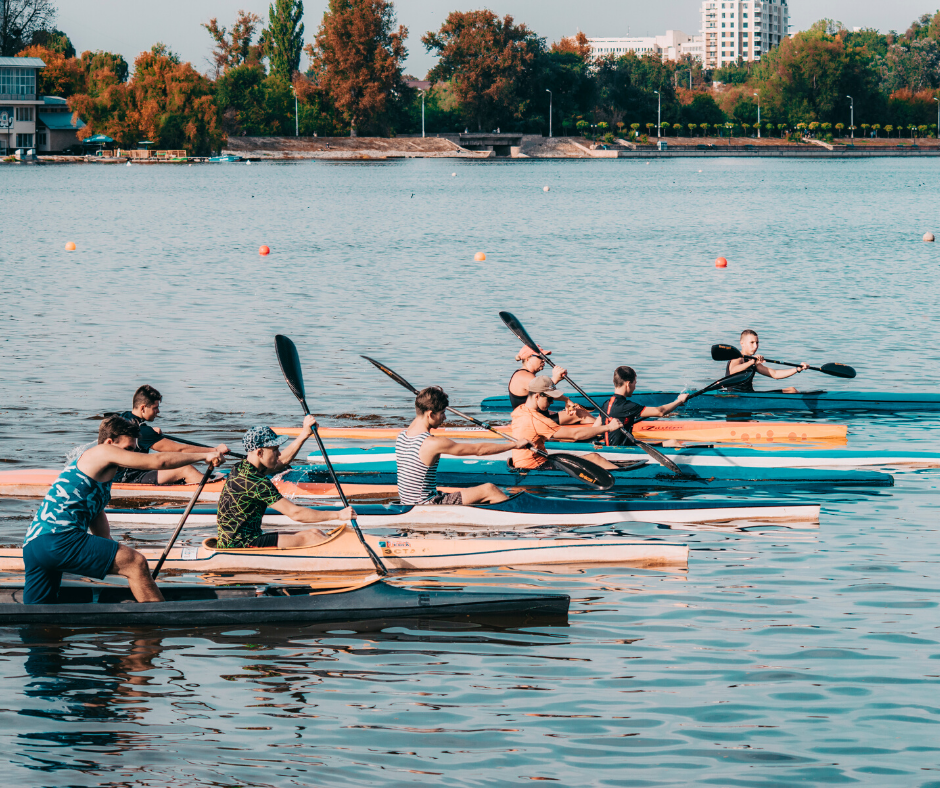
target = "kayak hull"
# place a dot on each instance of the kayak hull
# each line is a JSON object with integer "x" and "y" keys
{"x": 108, "y": 606}
{"x": 342, "y": 552}
{"x": 768, "y": 401}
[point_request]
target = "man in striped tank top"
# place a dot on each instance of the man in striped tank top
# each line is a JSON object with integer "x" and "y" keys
{"x": 417, "y": 454}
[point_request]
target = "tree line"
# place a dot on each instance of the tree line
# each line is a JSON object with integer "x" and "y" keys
{"x": 491, "y": 72}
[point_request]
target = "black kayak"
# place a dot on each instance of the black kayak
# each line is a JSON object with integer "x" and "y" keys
{"x": 84, "y": 604}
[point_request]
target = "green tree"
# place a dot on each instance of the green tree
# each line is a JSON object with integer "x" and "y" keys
{"x": 692, "y": 128}
{"x": 840, "y": 129}
{"x": 888, "y": 129}
{"x": 55, "y": 40}
{"x": 235, "y": 48}
{"x": 283, "y": 39}
{"x": 876, "y": 127}
{"x": 99, "y": 62}
{"x": 582, "y": 126}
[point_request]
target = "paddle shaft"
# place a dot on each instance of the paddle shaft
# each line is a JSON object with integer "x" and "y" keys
{"x": 235, "y": 454}
{"x": 182, "y": 522}
{"x": 716, "y": 385}
{"x": 785, "y": 363}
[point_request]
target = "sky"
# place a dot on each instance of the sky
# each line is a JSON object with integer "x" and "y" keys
{"x": 131, "y": 26}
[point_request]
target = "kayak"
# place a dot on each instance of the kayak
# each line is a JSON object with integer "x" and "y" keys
{"x": 86, "y": 604}
{"x": 341, "y": 551}
{"x": 521, "y": 510}
{"x": 768, "y": 401}
{"x": 662, "y": 430}
{"x": 730, "y": 457}
{"x": 468, "y": 472}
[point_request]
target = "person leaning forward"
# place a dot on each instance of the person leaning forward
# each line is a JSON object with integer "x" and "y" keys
{"x": 70, "y": 532}
{"x": 248, "y": 492}
{"x": 531, "y": 425}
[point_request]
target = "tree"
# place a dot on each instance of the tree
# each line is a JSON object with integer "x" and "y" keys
{"x": 692, "y": 128}
{"x": 840, "y": 129}
{"x": 915, "y": 66}
{"x": 104, "y": 64}
{"x": 62, "y": 76}
{"x": 358, "y": 61}
{"x": 888, "y": 129}
{"x": 677, "y": 127}
{"x": 582, "y": 127}
{"x": 19, "y": 20}
{"x": 490, "y": 62}
{"x": 876, "y": 127}
{"x": 55, "y": 40}
{"x": 283, "y": 39}
{"x": 232, "y": 50}
{"x": 578, "y": 46}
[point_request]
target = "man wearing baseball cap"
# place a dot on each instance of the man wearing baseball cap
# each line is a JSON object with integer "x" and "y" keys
{"x": 530, "y": 422}
{"x": 532, "y": 364}
{"x": 248, "y": 491}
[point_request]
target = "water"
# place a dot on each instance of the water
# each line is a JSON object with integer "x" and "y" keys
{"x": 781, "y": 657}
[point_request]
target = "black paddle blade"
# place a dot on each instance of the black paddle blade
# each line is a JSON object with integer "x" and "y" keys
{"x": 725, "y": 353}
{"x": 731, "y": 380}
{"x": 513, "y": 324}
{"x": 392, "y": 374}
{"x": 583, "y": 470}
{"x": 289, "y": 360}
{"x": 838, "y": 370}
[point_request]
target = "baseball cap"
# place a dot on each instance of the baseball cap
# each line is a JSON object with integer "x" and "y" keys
{"x": 262, "y": 438}
{"x": 527, "y": 352}
{"x": 544, "y": 385}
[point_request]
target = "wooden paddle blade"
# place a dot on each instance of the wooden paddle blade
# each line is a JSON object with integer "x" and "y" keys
{"x": 838, "y": 370}
{"x": 289, "y": 360}
{"x": 392, "y": 374}
{"x": 513, "y": 324}
{"x": 725, "y": 353}
{"x": 583, "y": 470}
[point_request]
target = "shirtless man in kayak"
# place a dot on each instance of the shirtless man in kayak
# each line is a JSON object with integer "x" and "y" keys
{"x": 749, "y": 345}
{"x": 70, "y": 532}
{"x": 530, "y": 425}
{"x": 629, "y": 413}
{"x": 532, "y": 364}
{"x": 249, "y": 491}
{"x": 417, "y": 454}
{"x": 146, "y": 407}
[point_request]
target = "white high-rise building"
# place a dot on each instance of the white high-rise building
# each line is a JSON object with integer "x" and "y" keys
{"x": 742, "y": 29}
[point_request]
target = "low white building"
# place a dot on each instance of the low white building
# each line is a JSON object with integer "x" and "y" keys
{"x": 19, "y": 102}
{"x": 742, "y": 30}
{"x": 671, "y": 46}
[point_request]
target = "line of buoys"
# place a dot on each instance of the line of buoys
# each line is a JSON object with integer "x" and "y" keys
{"x": 70, "y": 246}
{"x": 721, "y": 262}
{"x": 928, "y": 237}
{"x": 479, "y": 257}
{"x": 264, "y": 251}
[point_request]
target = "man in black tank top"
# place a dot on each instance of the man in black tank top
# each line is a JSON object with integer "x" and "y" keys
{"x": 749, "y": 345}
{"x": 620, "y": 407}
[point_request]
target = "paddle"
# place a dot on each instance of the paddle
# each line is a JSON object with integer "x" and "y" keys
{"x": 176, "y": 438}
{"x": 289, "y": 360}
{"x": 728, "y": 353}
{"x": 513, "y": 324}
{"x": 731, "y": 380}
{"x": 182, "y": 522}
{"x": 578, "y": 467}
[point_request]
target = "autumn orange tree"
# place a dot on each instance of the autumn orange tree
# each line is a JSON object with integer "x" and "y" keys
{"x": 63, "y": 76}
{"x": 489, "y": 61}
{"x": 358, "y": 60}
{"x": 234, "y": 48}
{"x": 577, "y": 45}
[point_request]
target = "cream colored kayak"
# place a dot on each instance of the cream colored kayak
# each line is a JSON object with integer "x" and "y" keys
{"x": 342, "y": 552}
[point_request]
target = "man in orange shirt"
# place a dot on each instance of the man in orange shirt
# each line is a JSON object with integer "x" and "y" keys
{"x": 531, "y": 422}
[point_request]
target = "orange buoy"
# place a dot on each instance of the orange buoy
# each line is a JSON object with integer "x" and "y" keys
{"x": 264, "y": 250}
{"x": 479, "y": 257}
{"x": 70, "y": 246}
{"x": 721, "y": 263}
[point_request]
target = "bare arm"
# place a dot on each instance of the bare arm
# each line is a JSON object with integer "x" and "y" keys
{"x": 779, "y": 374}
{"x": 101, "y": 462}
{"x": 287, "y": 455}
{"x": 739, "y": 365}
{"x": 587, "y": 431}
{"x": 663, "y": 410}
{"x": 101, "y": 527}
{"x": 304, "y": 515}
{"x": 165, "y": 444}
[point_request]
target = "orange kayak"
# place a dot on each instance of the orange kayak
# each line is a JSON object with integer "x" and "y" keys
{"x": 665, "y": 429}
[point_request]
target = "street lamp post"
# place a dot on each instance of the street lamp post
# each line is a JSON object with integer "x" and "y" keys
{"x": 852, "y": 117}
{"x": 422, "y": 113}
{"x": 659, "y": 115}
{"x": 758, "y": 114}
{"x": 551, "y": 99}
{"x": 296, "y": 116}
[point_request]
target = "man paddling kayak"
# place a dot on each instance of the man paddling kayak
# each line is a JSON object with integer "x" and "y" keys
{"x": 417, "y": 454}
{"x": 58, "y": 539}
{"x": 629, "y": 413}
{"x": 531, "y": 425}
{"x": 749, "y": 345}
{"x": 532, "y": 364}
{"x": 249, "y": 491}
{"x": 146, "y": 407}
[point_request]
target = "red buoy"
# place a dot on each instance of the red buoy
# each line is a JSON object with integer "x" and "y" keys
{"x": 721, "y": 263}
{"x": 264, "y": 250}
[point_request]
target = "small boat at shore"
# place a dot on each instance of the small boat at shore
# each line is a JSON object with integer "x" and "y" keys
{"x": 520, "y": 511}
{"x": 768, "y": 401}
{"x": 661, "y": 430}
{"x": 87, "y": 604}
{"x": 341, "y": 551}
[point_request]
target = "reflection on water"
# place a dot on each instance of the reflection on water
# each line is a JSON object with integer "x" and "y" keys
{"x": 783, "y": 656}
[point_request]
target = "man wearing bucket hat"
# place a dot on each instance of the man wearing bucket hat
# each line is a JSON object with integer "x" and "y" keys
{"x": 248, "y": 491}
{"x": 532, "y": 364}
{"x": 530, "y": 422}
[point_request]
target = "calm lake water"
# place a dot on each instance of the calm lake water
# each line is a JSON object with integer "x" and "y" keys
{"x": 781, "y": 657}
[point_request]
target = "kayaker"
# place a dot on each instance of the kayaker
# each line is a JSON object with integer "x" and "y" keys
{"x": 629, "y": 413}
{"x": 749, "y": 345}
{"x": 417, "y": 454}
{"x": 532, "y": 364}
{"x": 145, "y": 408}
{"x": 530, "y": 425}
{"x": 70, "y": 532}
{"x": 248, "y": 491}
